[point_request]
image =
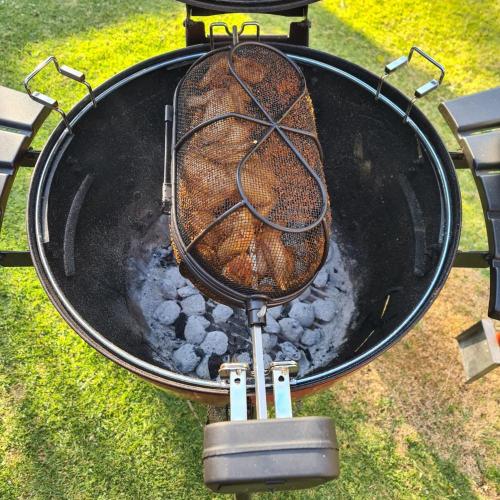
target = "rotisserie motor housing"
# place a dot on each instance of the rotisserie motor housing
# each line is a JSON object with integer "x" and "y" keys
{"x": 250, "y": 210}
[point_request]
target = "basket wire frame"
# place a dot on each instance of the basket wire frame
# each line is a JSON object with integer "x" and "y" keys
{"x": 275, "y": 128}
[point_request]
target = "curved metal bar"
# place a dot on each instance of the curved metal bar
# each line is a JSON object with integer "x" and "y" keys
{"x": 215, "y": 25}
{"x": 421, "y": 91}
{"x": 249, "y": 118}
{"x": 245, "y": 86}
{"x": 429, "y": 58}
{"x": 213, "y": 223}
{"x": 276, "y": 126}
{"x": 64, "y": 70}
{"x": 250, "y": 206}
{"x": 217, "y": 118}
{"x": 49, "y": 102}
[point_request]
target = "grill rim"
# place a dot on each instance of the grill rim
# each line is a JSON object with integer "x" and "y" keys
{"x": 194, "y": 386}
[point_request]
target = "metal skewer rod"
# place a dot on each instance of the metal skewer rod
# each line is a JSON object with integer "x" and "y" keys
{"x": 259, "y": 372}
{"x": 167, "y": 181}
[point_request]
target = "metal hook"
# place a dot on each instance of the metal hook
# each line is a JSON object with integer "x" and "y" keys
{"x": 216, "y": 25}
{"x": 255, "y": 24}
{"x": 234, "y": 32}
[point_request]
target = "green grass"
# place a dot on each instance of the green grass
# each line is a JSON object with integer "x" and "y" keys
{"x": 74, "y": 425}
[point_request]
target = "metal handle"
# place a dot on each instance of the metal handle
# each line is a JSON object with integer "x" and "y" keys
{"x": 234, "y": 32}
{"x": 49, "y": 102}
{"x": 421, "y": 91}
{"x": 255, "y": 24}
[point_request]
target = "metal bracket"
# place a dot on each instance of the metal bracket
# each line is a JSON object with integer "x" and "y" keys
{"x": 480, "y": 349}
{"x": 195, "y": 30}
{"x": 234, "y": 32}
{"x": 474, "y": 259}
{"x": 237, "y": 375}
{"x": 167, "y": 181}
{"x": 15, "y": 259}
{"x": 281, "y": 371}
{"x": 459, "y": 160}
{"x": 49, "y": 102}
{"x": 421, "y": 91}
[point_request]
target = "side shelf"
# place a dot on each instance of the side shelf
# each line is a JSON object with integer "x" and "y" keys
{"x": 475, "y": 121}
{"x": 20, "y": 119}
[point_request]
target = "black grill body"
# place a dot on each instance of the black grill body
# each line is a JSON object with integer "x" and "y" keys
{"x": 379, "y": 213}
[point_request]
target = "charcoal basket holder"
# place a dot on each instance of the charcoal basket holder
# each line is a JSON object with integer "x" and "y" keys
{"x": 227, "y": 293}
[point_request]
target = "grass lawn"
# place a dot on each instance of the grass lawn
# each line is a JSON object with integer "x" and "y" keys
{"x": 74, "y": 425}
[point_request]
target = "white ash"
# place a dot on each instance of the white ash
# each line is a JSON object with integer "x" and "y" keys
{"x": 272, "y": 326}
{"x": 268, "y": 359}
{"x": 275, "y": 311}
{"x": 222, "y": 313}
{"x": 288, "y": 351}
{"x": 194, "y": 304}
{"x": 291, "y": 329}
{"x": 175, "y": 277}
{"x": 186, "y": 359}
{"x": 202, "y": 370}
{"x": 167, "y": 312}
{"x": 310, "y": 337}
{"x": 321, "y": 278}
{"x": 244, "y": 357}
{"x": 302, "y": 312}
{"x": 323, "y": 310}
{"x": 187, "y": 291}
{"x": 188, "y": 333}
{"x": 194, "y": 331}
{"x": 269, "y": 342}
{"x": 215, "y": 342}
{"x": 168, "y": 289}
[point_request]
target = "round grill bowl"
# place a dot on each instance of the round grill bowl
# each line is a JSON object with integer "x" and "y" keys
{"x": 395, "y": 199}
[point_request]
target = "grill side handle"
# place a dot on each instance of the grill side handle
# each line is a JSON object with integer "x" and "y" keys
{"x": 474, "y": 120}
{"x": 20, "y": 119}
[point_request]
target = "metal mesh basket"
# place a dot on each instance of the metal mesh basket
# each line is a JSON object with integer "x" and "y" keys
{"x": 250, "y": 210}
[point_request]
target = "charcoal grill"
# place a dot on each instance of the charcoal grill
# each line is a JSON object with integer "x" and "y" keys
{"x": 396, "y": 211}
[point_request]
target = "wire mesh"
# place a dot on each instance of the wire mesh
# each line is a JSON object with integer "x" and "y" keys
{"x": 250, "y": 199}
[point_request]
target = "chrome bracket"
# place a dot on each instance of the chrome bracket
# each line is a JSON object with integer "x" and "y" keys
{"x": 234, "y": 32}
{"x": 237, "y": 375}
{"x": 49, "y": 102}
{"x": 421, "y": 91}
{"x": 281, "y": 371}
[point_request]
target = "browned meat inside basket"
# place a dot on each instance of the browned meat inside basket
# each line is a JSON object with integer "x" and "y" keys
{"x": 250, "y": 201}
